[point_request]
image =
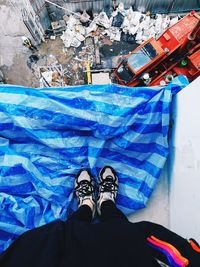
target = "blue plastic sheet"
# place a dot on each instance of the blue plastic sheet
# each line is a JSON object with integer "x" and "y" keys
{"x": 48, "y": 134}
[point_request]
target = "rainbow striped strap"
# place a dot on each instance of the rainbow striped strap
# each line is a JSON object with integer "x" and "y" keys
{"x": 173, "y": 255}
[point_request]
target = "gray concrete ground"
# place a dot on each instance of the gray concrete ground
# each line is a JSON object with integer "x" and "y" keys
{"x": 13, "y": 56}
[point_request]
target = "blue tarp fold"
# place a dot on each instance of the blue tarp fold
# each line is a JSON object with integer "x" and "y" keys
{"x": 48, "y": 134}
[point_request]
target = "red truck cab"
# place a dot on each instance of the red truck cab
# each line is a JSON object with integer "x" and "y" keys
{"x": 154, "y": 59}
{"x": 135, "y": 63}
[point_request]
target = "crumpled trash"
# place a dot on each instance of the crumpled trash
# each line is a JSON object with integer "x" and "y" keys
{"x": 165, "y": 22}
{"x": 129, "y": 38}
{"x": 81, "y": 29}
{"x": 158, "y": 24}
{"x": 66, "y": 18}
{"x": 136, "y": 19}
{"x": 173, "y": 21}
{"x": 75, "y": 42}
{"x": 72, "y": 37}
{"x": 131, "y": 22}
{"x": 71, "y": 22}
{"x": 115, "y": 34}
{"x": 84, "y": 18}
{"x": 134, "y": 29}
{"x": 121, "y": 9}
{"x": 118, "y": 20}
{"x": 79, "y": 36}
{"x": 102, "y": 20}
{"x": 140, "y": 26}
{"x": 91, "y": 28}
{"x": 67, "y": 37}
{"x": 139, "y": 36}
{"x": 125, "y": 25}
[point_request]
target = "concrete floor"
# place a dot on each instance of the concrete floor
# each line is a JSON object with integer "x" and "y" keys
{"x": 18, "y": 73}
{"x": 13, "y": 56}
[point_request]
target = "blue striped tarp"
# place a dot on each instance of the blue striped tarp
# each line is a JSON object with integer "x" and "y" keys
{"x": 48, "y": 134}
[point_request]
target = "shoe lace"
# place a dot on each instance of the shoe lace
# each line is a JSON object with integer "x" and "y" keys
{"x": 108, "y": 185}
{"x": 84, "y": 188}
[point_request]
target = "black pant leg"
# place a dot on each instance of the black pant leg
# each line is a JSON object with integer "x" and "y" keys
{"x": 84, "y": 213}
{"x": 109, "y": 212}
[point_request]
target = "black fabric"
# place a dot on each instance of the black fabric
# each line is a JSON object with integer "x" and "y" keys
{"x": 109, "y": 212}
{"x": 84, "y": 213}
{"x": 77, "y": 242}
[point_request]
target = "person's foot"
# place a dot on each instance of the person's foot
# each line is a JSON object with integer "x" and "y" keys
{"x": 84, "y": 189}
{"x": 108, "y": 186}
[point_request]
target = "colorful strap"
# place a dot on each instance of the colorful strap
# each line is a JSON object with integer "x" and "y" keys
{"x": 170, "y": 259}
{"x": 170, "y": 250}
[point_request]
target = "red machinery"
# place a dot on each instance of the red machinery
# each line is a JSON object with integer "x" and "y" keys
{"x": 156, "y": 62}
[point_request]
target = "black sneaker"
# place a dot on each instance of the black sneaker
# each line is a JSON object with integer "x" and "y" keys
{"x": 108, "y": 186}
{"x": 84, "y": 188}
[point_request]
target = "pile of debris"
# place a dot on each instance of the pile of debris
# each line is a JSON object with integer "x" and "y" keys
{"x": 52, "y": 75}
{"x": 122, "y": 24}
{"x": 90, "y": 35}
{"x": 47, "y": 70}
{"x": 51, "y": 72}
{"x": 58, "y": 27}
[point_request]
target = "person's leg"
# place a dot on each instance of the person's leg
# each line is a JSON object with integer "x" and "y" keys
{"x": 110, "y": 212}
{"x": 84, "y": 213}
{"x": 84, "y": 190}
{"x": 108, "y": 188}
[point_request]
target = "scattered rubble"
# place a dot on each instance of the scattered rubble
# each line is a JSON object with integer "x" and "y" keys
{"x": 87, "y": 35}
{"x": 58, "y": 27}
{"x": 137, "y": 26}
{"x": 118, "y": 20}
{"x": 54, "y": 70}
{"x": 52, "y": 75}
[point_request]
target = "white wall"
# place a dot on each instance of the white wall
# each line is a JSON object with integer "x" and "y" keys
{"x": 184, "y": 183}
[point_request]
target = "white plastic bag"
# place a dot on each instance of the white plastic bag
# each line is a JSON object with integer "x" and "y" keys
{"x": 125, "y": 25}
{"x": 115, "y": 34}
{"x": 79, "y": 36}
{"x": 84, "y": 17}
{"x": 133, "y": 29}
{"x": 91, "y": 28}
{"x": 67, "y": 37}
{"x": 136, "y": 17}
{"x": 75, "y": 42}
{"x": 138, "y": 37}
{"x": 102, "y": 20}
{"x": 121, "y": 7}
{"x": 71, "y": 22}
{"x": 173, "y": 21}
